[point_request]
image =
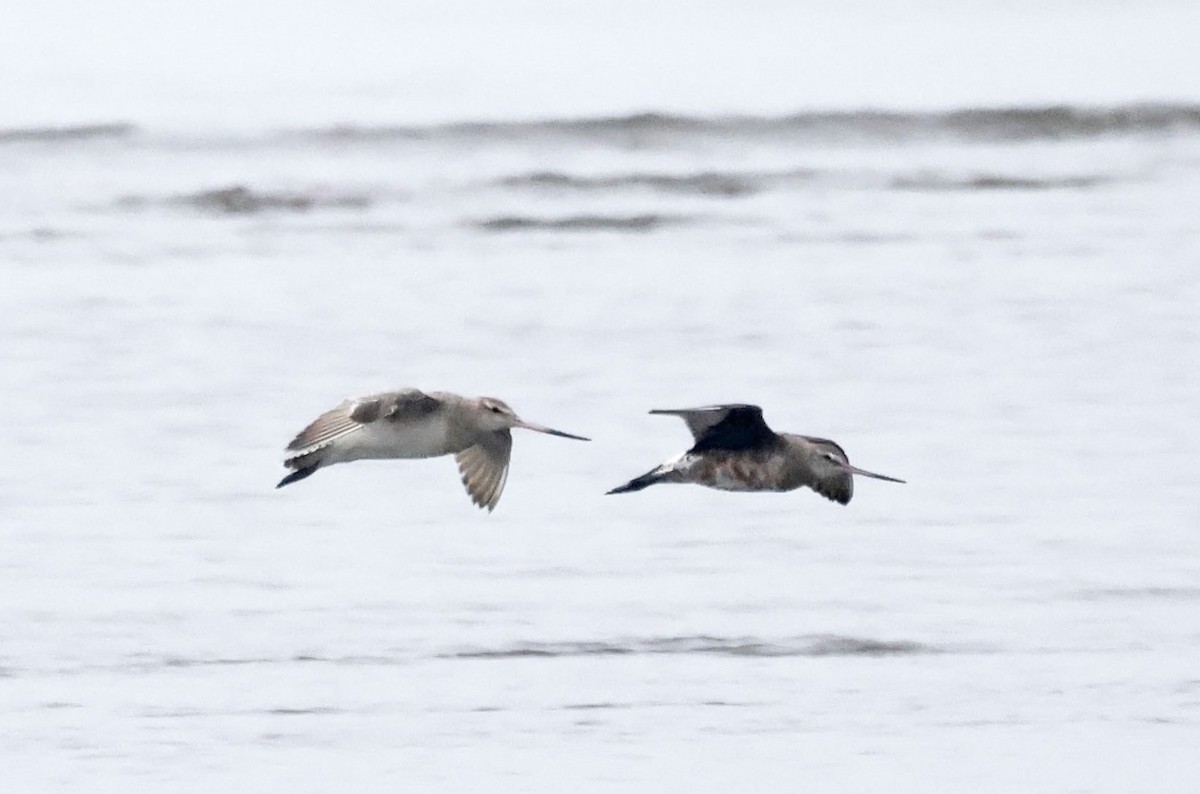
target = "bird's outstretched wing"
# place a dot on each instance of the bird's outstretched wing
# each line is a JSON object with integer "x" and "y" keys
{"x": 734, "y": 427}
{"x": 484, "y": 468}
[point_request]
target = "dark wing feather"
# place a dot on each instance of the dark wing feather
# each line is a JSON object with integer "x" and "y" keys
{"x": 397, "y": 406}
{"x": 741, "y": 428}
{"x": 732, "y": 426}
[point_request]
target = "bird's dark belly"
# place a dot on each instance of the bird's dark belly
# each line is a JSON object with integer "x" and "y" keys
{"x": 740, "y": 473}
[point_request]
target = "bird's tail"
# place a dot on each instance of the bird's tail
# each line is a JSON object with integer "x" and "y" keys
{"x": 299, "y": 474}
{"x": 303, "y": 465}
{"x": 638, "y": 483}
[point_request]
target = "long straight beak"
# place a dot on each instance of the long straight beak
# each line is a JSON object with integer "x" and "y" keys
{"x": 865, "y": 473}
{"x": 547, "y": 430}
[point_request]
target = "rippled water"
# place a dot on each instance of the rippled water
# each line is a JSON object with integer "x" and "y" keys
{"x": 998, "y": 306}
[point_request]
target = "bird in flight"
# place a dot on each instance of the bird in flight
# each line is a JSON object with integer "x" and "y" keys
{"x": 734, "y": 450}
{"x": 412, "y": 424}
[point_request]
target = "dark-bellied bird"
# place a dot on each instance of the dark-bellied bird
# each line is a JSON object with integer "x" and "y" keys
{"x": 734, "y": 450}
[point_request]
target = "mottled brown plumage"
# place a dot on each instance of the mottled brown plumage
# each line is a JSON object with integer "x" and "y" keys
{"x": 735, "y": 450}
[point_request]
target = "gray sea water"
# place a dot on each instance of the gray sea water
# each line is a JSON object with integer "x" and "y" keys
{"x": 215, "y": 228}
{"x": 999, "y": 307}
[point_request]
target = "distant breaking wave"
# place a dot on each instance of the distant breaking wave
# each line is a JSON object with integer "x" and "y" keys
{"x": 734, "y": 184}
{"x": 812, "y": 645}
{"x": 241, "y": 200}
{"x": 725, "y": 184}
{"x": 1033, "y": 123}
{"x": 651, "y": 129}
{"x": 580, "y": 223}
{"x": 80, "y": 132}
{"x": 938, "y": 182}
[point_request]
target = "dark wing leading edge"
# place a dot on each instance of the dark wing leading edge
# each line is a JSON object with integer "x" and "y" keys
{"x": 731, "y": 427}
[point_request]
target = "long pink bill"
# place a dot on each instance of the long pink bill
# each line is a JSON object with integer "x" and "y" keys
{"x": 548, "y": 430}
{"x": 865, "y": 473}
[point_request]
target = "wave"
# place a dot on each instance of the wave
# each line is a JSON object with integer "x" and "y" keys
{"x": 726, "y": 184}
{"x": 637, "y": 130}
{"x": 810, "y": 645}
{"x": 813, "y": 646}
{"x": 940, "y": 182}
{"x": 580, "y": 223}
{"x": 1149, "y": 592}
{"x": 241, "y": 200}
{"x": 158, "y": 662}
{"x": 80, "y": 132}
{"x": 644, "y": 129}
{"x": 738, "y": 184}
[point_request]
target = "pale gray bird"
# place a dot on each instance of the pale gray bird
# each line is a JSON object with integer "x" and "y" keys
{"x": 734, "y": 450}
{"x": 412, "y": 424}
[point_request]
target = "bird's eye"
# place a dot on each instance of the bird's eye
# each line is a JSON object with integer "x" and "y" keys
{"x": 495, "y": 409}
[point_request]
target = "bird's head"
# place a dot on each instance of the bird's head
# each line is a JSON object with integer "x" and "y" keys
{"x": 494, "y": 414}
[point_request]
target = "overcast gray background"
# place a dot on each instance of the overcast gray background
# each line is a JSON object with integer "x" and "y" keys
{"x": 271, "y": 63}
